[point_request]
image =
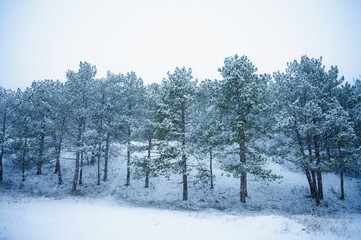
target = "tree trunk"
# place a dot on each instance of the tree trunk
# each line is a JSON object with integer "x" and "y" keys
{"x": 319, "y": 173}
{"x": 77, "y": 157}
{"x": 82, "y": 149}
{"x": 57, "y": 166}
{"x": 92, "y": 158}
{"x": 211, "y": 166}
{"x": 100, "y": 142}
{"x": 23, "y": 171}
{"x": 309, "y": 180}
{"x": 99, "y": 155}
{"x": 185, "y": 181}
{"x": 76, "y": 173}
{"x": 81, "y": 167}
{"x": 41, "y": 150}
{"x": 341, "y": 174}
{"x": 319, "y": 184}
{"x": 23, "y": 164}
{"x": 60, "y": 180}
{"x": 243, "y": 183}
{"x": 107, "y": 143}
{"x": 313, "y": 173}
{"x": 3, "y": 131}
{"x": 305, "y": 166}
{"x": 184, "y": 157}
{"x": 342, "y": 189}
{"x": 146, "y": 185}
{"x": 128, "y": 161}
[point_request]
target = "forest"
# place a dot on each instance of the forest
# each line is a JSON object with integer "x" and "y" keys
{"x": 307, "y": 115}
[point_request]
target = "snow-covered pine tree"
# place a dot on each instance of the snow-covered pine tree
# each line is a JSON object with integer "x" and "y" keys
{"x": 340, "y": 148}
{"x": 148, "y": 131}
{"x": 131, "y": 98}
{"x": 77, "y": 98}
{"x": 112, "y": 112}
{"x": 41, "y": 98}
{"x": 241, "y": 104}
{"x": 95, "y": 131}
{"x": 207, "y": 128}
{"x": 178, "y": 95}
{"x": 6, "y": 108}
{"x": 305, "y": 95}
{"x": 22, "y": 145}
{"x": 56, "y": 121}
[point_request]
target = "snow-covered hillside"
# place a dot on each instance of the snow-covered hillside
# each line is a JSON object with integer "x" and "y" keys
{"x": 39, "y": 208}
{"x": 42, "y": 219}
{"x": 287, "y": 195}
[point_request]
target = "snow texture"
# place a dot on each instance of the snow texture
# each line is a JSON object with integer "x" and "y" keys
{"x": 39, "y": 208}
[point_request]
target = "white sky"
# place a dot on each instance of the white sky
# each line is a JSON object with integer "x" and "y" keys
{"x": 42, "y": 39}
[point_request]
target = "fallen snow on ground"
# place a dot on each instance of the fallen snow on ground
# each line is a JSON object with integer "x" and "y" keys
{"x": 78, "y": 218}
{"x": 39, "y": 208}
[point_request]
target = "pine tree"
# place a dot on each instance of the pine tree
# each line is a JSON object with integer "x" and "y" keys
{"x": 131, "y": 107}
{"x": 150, "y": 165}
{"x": 112, "y": 113}
{"x": 178, "y": 95}
{"x": 6, "y": 105}
{"x": 305, "y": 94}
{"x": 56, "y": 121}
{"x": 207, "y": 129}
{"x": 22, "y": 144}
{"x": 341, "y": 140}
{"x": 241, "y": 104}
{"x": 77, "y": 96}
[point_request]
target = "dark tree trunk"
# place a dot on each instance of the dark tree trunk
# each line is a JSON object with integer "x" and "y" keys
{"x": 92, "y": 158}
{"x": 3, "y": 131}
{"x": 342, "y": 189}
{"x": 77, "y": 158}
{"x": 146, "y": 185}
{"x": 128, "y": 160}
{"x": 107, "y": 143}
{"x": 319, "y": 184}
{"x": 341, "y": 174}
{"x": 184, "y": 157}
{"x": 313, "y": 172}
{"x": 100, "y": 142}
{"x": 305, "y": 166}
{"x": 309, "y": 180}
{"x": 319, "y": 173}
{"x": 81, "y": 167}
{"x": 76, "y": 173}
{"x": 99, "y": 155}
{"x": 211, "y": 166}
{"x": 41, "y": 150}
{"x": 23, "y": 171}
{"x": 23, "y": 164}
{"x": 60, "y": 180}
{"x": 57, "y": 165}
{"x": 243, "y": 183}
{"x": 185, "y": 181}
{"x": 82, "y": 150}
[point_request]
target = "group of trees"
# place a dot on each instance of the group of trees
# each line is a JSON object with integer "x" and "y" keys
{"x": 179, "y": 125}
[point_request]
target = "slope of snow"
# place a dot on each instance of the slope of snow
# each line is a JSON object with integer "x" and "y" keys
{"x": 76, "y": 218}
{"x": 39, "y": 208}
{"x": 288, "y": 195}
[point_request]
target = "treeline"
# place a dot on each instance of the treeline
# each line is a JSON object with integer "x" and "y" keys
{"x": 305, "y": 113}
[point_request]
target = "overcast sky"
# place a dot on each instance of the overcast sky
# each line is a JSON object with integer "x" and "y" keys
{"x": 42, "y": 39}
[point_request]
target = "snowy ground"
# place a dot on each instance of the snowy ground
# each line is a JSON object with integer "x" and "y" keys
{"x": 94, "y": 219}
{"x": 39, "y": 208}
